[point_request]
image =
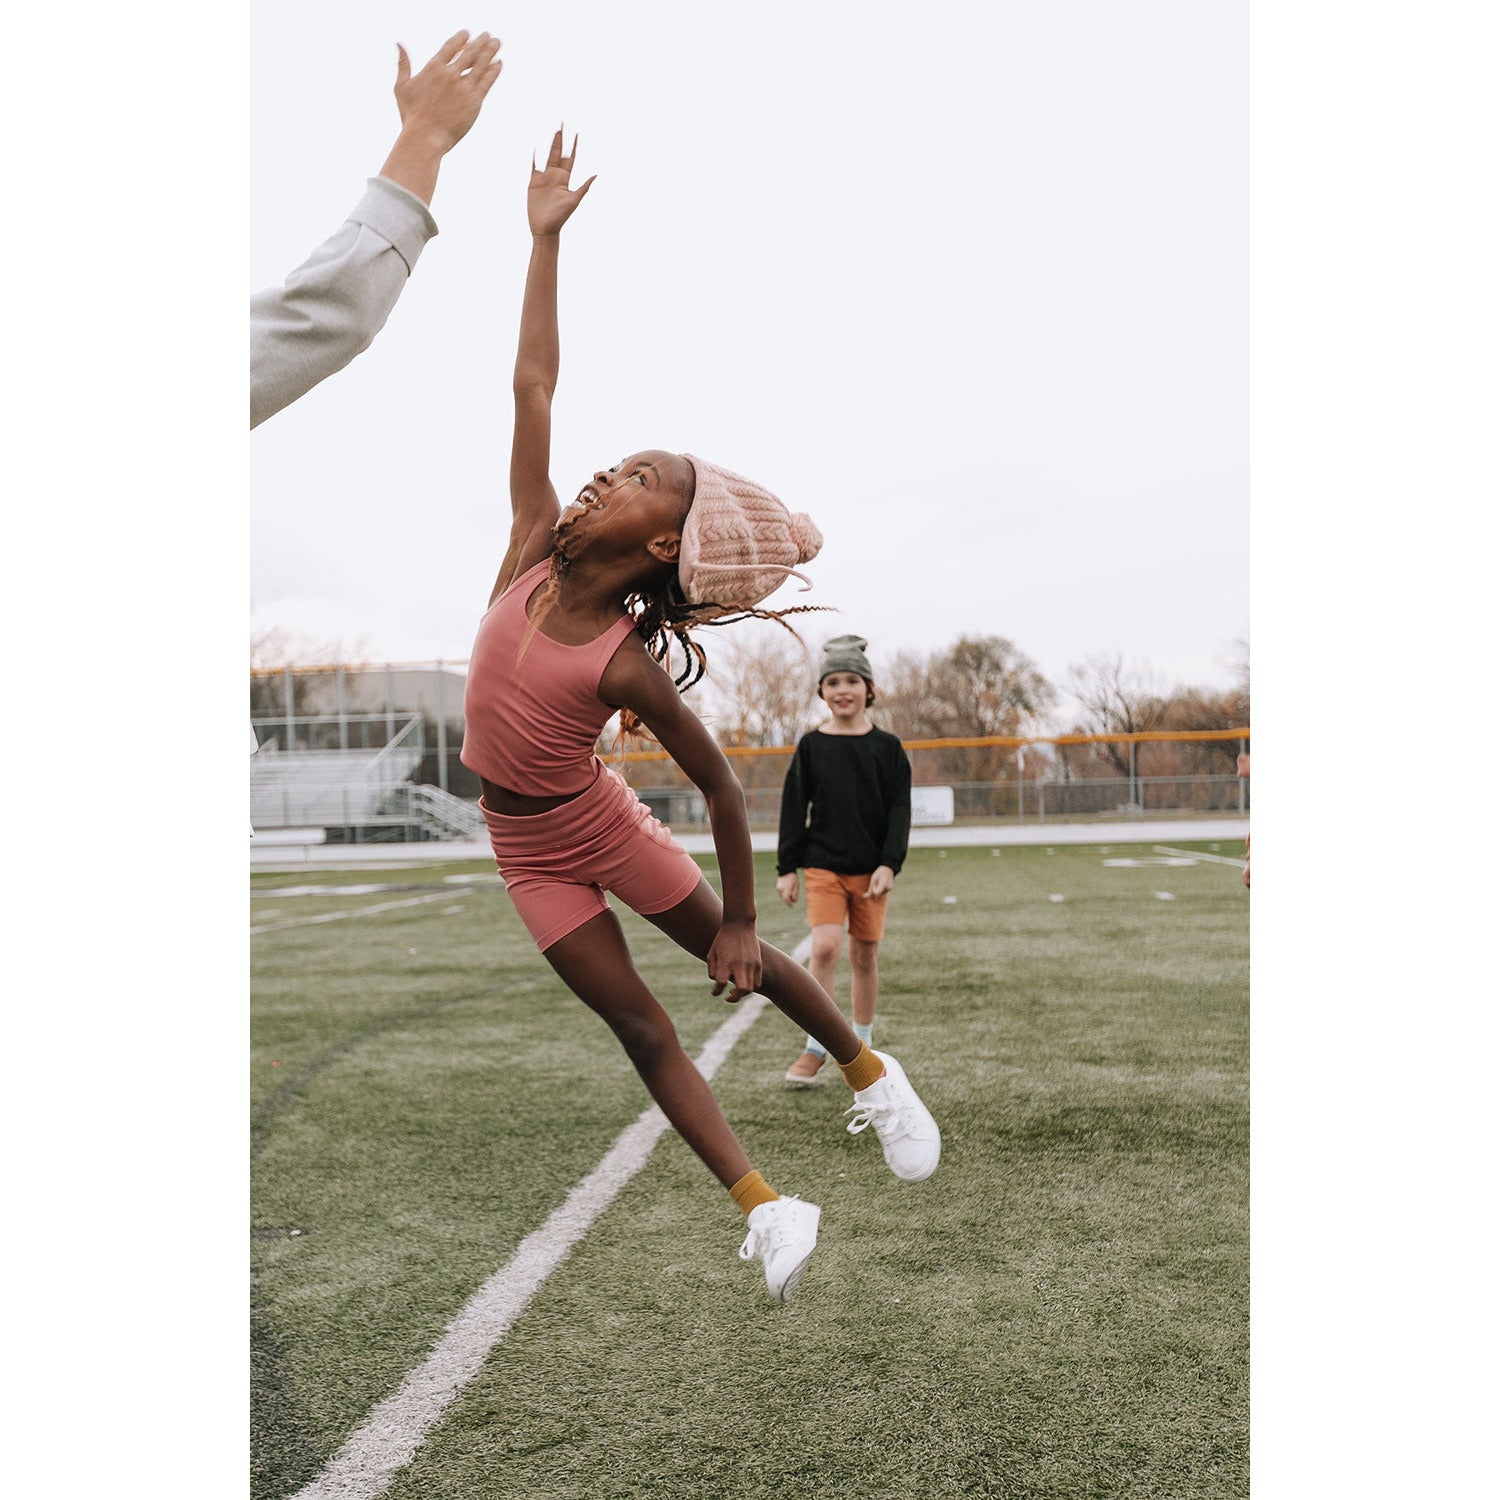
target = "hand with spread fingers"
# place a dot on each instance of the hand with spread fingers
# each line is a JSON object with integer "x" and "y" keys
{"x": 331, "y": 307}
{"x": 438, "y": 105}
{"x": 444, "y": 98}
{"x": 549, "y": 200}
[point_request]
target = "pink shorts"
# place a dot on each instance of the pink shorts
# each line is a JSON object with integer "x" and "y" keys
{"x": 557, "y": 865}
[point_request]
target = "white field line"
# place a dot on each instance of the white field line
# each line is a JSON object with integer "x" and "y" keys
{"x": 368, "y": 1463}
{"x": 1216, "y": 859}
{"x": 356, "y": 911}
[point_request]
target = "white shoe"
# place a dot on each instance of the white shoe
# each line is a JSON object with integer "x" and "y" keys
{"x": 908, "y": 1133}
{"x": 783, "y": 1233}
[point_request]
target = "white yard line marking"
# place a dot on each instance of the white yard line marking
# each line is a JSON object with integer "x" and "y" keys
{"x": 358, "y": 911}
{"x": 1214, "y": 859}
{"x": 368, "y": 1463}
{"x": 319, "y": 890}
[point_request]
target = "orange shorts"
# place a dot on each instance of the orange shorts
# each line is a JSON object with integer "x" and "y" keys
{"x": 840, "y": 900}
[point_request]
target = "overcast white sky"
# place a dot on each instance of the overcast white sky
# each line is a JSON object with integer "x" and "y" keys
{"x": 968, "y": 284}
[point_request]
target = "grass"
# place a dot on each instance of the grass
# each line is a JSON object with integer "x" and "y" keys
{"x": 1061, "y": 1311}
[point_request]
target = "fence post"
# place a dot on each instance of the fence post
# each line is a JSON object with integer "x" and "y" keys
{"x": 1135, "y": 795}
{"x": 291, "y": 704}
{"x": 1240, "y": 779}
{"x": 343, "y": 717}
{"x": 390, "y": 706}
{"x": 442, "y": 730}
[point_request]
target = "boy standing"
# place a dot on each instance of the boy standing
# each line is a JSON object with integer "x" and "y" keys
{"x": 845, "y": 819}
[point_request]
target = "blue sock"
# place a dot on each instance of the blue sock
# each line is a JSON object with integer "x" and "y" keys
{"x": 863, "y": 1029}
{"x": 816, "y": 1047}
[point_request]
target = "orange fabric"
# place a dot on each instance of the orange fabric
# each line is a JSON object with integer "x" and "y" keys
{"x": 751, "y": 1191}
{"x": 863, "y": 1070}
{"x": 840, "y": 900}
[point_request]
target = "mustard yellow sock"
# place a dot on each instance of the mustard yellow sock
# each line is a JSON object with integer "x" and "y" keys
{"x": 864, "y": 1070}
{"x": 751, "y": 1191}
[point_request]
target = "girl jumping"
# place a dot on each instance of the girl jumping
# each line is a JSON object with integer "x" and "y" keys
{"x": 581, "y": 619}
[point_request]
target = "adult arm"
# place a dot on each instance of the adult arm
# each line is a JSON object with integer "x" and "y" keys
{"x": 331, "y": 307}
{"x": 634, "y": 680}
{"x": 533, "y": 501}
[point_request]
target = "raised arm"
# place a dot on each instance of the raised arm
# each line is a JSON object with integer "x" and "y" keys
{"x": 533, "y": 501}
{"x": 331, "y": 307}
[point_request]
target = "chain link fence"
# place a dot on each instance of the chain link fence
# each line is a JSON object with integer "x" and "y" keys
{"x": 355, "y": 725}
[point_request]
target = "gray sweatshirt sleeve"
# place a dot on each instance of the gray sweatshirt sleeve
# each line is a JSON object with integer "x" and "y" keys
{"x": 337, "y": 300}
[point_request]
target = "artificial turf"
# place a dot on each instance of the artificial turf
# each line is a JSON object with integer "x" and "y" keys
{"x": 1061, "y": 1311}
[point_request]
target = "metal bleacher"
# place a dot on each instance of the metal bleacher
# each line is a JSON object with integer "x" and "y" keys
{"x": 353, "y": 794}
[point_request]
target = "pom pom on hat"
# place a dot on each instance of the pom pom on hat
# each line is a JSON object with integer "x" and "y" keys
{"x": 739, "y": 542}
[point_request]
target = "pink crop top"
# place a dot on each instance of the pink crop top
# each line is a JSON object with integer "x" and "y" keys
{"x": 531, "y": 727}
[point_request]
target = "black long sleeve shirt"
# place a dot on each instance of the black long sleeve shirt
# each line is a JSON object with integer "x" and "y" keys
{"x": 846, "y": 804}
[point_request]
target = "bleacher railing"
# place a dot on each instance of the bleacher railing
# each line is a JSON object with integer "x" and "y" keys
{"x": 341, "y": 772}
{"x": 308, "y": 734}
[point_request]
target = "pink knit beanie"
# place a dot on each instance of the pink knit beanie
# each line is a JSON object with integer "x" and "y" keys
{"x": 739, "y": 543}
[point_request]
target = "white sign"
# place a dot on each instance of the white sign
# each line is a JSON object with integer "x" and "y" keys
{"x": 931, "y": 805}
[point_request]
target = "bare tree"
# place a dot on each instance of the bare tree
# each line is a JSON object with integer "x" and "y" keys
{"x": 906, "y": 698}
{"x": 1213, "y": 708}
{"x": 977, "y": 687}
{"x": 1239, "y": 664}
{"x": 764, "y": 688}
{"x": 762, "y": 692}
{"x": 994, "y": 688}
{"x": 1116, "y": 699}
{"x": 980, "y": 685}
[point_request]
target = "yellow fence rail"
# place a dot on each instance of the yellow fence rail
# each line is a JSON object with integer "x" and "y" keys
{"x": 984, "y": 742}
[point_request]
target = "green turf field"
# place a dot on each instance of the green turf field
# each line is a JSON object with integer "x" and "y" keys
{"x": 1062, "y": 1311}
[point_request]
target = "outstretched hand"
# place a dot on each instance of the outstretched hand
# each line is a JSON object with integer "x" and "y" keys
{"x": 549, "y": 200}
{"x": 442, "y": 101}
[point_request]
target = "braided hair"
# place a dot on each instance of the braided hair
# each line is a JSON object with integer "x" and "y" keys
{"x": 662, "y": 615}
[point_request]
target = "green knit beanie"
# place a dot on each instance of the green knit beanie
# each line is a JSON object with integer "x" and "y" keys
{"x": 845, "y": 653}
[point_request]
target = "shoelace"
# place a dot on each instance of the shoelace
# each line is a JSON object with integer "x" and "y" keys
{"x": 768, "y": 1236}
{"x": 885, "y": 1117}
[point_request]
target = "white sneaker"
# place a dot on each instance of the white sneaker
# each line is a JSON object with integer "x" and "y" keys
{"x": 908, "y": 1133}
{"x": 783, "y": 1233}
